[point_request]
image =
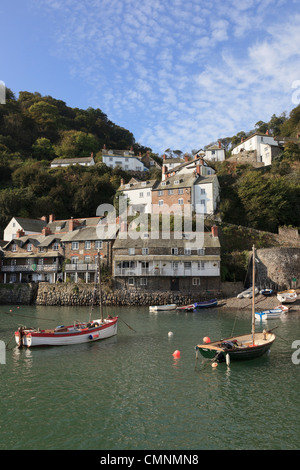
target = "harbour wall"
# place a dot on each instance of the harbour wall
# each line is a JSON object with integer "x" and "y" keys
{"x": 18, "y": 294}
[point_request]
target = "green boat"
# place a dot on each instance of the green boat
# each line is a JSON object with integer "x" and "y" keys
{"x": 248, "y": 346}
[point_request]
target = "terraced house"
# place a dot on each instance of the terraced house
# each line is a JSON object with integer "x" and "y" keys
{"x": 167, "y": 263}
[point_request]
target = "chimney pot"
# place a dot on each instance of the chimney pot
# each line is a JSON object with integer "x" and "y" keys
{"x": 51, "y": 218}
{"x": 20, "y": 233}
{"x": 214, "y": 231}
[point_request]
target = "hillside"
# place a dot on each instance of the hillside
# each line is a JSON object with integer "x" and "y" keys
{"x": 35, "y": 129}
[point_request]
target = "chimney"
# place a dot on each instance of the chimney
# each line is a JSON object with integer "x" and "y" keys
{"x": 220, "y": 145}
{"x": 164, "y": 156}
{"x": 198, "y": 170}
{"x": 201, "y": 161}
{"x": 92, "y": 155}
{"x": 46, "y": 231}
{"x": 122, "y": 182}
{"x": 186, "y": 158}
{"x": 72, "y": 224}
{"x": 20, "y": 233}
{"x": 267, "y": 132}
{"x": 104, "y": 147}
{"x": 164, "y": 171}
{"x": 214, "y": 231}
{"x": 51, "y": 218}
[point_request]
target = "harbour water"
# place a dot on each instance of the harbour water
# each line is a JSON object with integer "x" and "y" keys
{"x": 129, "y": 393}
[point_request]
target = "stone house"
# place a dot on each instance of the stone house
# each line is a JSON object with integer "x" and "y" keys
{"x": 167, "y": 263}
{"x": 32, "y": 258}
{"x": 65, "y": 249}
{"x": 191, "y": 191}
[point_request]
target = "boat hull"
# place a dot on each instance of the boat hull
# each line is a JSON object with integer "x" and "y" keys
{"x": 156, "y": 308}
{"x": 269, "y": 314}
{"x": 244, "y": 351}
{"x": 288, "y": 296}
{"x": 207, "y": 304}
{"x": 32, "y": 338}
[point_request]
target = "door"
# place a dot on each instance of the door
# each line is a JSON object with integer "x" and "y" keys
{"x": 174, "y": 283}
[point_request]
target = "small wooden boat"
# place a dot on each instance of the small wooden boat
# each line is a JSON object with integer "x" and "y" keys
{"x": 67, "y": 335}
{"x": 270, "y": 314}
{"x": 248, "y": 293}
{"x": 248, "y": 346}
{"x": 157, "y": 308}
{"x": 237, "y": 347}
{"x": 186, "y": 308}
{"x": 266, "y": 292}
{"x": 80, "y": 332}
{"x": 287, "y": 296}
{"x": 206, "y": 303}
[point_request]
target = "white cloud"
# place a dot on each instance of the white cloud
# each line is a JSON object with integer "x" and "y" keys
{"x": 182, "y": 73}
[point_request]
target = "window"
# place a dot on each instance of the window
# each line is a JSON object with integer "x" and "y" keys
{"x": 13, "y": 247}
{"x": 187, "y": 265}
{"x": 29, "y": 246}
{"x": 145, "y": 251}
{"x": 201, "y": 251}
{"x": 131, "y": 251}
{"x": 87, "y": 245}
{"x": 160, "y": 202}
{"x": 196, "y": 281}
{"x": 161, "y": 192}
{"x": 180, "y": 191}
{"x": 74, "y": 259}
{"x": 187, "y": 251}
{"x": 141, "y": 194}
{"x": 98, "y": 244}
{"x": 202, "y": 191}
{"x": 148, "y": 193}
{"x": 201, "y": 265}
{"x": 180, "y": 202}
{"x": 131, "y": 281}
{"x": 41, "y": 249}
{"x": 170, "y": 191}
{"x": 174, "y": 251}
{"x": 175, "y": 265}
{"x": 75, "y": 245}
{"x": 202, "y": 201}
{"x": 87, "y": 259}
{"x": 143, "y": 281}
{"x": 56, "y": 246}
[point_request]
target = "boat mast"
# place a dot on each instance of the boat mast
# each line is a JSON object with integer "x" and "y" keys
{"x": 253, "y": 293}
{"x": 100, "y": 290}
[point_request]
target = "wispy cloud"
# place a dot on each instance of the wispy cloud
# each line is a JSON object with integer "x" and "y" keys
{"x": 181, "y": 73}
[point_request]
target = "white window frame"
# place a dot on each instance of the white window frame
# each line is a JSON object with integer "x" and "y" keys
{"x": 75, "y": 245}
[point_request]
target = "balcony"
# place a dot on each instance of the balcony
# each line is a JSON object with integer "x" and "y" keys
{"x": 78, "y": 267}
{"x": 167, "y": 271}
{"x": 30, "y": 268}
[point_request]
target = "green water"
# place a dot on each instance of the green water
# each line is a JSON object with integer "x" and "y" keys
{"x": 128, "y": 392}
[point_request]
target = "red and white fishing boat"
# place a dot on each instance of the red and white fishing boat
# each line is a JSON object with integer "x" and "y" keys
{"x": 67, "y": 335}
{"x": 80, "y": 332}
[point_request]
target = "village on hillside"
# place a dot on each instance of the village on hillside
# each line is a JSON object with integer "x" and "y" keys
{"x": 50, "y": 250}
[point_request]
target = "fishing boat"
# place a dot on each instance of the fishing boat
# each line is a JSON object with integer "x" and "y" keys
{"x": 79, "y": 332}
{"x": 206, "y": 303}
{"x": 241, "y": 347}
{"x": 186, "y": 308}
{"x": 157, "y": 308}
{"x": 287, "y": 296}
{"x": 266, "y": 292}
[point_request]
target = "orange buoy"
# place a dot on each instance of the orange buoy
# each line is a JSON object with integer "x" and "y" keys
{"x": 206, "y": 339}
{"x": 214, "y": 365}
{"x": 176, "y": 353}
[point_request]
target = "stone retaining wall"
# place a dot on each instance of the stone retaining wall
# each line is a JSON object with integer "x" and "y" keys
{"x": 84, "y": 294}
{"x": 17, "y": 294}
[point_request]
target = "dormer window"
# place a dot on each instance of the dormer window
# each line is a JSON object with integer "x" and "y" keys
{"x": 13, "y": 247}
{"x": 29, "y": 246}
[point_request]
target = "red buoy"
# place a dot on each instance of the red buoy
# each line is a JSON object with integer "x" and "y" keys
{"x": 206, "y": 339}
{"x": 176, "y": 353}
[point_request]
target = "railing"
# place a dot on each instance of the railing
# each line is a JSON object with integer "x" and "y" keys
{"x": 80, "y": 267}
{"x": 31, "y": 268}
{"x": 215, "y": 271}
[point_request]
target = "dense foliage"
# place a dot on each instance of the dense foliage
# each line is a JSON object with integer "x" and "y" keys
{"x": 35, "y": 129}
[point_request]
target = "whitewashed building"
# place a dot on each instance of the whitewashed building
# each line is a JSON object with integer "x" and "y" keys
{"x": 124, "y": 159}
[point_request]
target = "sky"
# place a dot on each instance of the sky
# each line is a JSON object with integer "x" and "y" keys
{"x": 178, "y": 74}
